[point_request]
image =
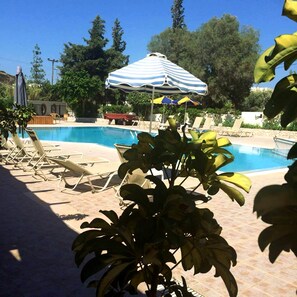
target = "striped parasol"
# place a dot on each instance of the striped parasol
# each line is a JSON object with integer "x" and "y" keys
{"x": 155, "y": 74}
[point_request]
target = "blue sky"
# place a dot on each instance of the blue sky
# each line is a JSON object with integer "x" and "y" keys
{"x": 51, "y": 24}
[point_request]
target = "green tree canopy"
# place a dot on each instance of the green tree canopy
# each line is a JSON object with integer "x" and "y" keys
{"x": 140, "y": 102}
{"x": 225, "y": 55}
{"x": 171, "y": 43}
{"x": 94, "y": 61}
{"x": 219, "y": 52}
{"x": 256, "y": 100}
{"x": 90, "y": 57}
{"x": 79, "y": 90}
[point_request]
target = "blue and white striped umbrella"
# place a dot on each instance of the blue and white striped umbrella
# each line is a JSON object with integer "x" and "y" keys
{"x": 155, "y": 74}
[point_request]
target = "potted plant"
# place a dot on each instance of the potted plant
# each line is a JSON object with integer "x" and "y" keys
{"x": 10, "y": 118}
{"x": 163, "y": 226}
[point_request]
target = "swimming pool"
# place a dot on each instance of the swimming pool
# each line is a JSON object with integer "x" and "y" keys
{"x": 247, "y": 158}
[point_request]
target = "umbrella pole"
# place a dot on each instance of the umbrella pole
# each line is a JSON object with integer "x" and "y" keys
{"x": 185, "y": 112}
{"x": 152, "y": 109}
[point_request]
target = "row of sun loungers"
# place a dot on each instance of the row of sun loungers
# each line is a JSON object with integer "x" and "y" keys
{"x": 235, "y": 130}
{"x": 70, "y": 169}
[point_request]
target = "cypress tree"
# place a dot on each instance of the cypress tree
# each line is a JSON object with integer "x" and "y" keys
{"x": 37, "y": 71}
{"x": 117, "y": 32}
{"x": 177, "y": 14}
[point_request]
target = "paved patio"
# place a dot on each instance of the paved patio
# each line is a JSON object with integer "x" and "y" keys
{"x": 38, "y": 224}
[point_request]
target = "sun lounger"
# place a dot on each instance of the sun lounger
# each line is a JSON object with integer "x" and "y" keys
{"x": 88, "y": 171}
{"x": 21, "y": 152}
{"x": 235, "y": 130}
{"x": 206, "y": 126}
{"x": 6, "y": 150}
{"x": 197, "y": 123}
{"x": 41, "y": 158}
{"x": 136, "y": 177}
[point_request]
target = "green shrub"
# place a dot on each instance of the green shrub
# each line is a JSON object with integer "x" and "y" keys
{"x": 292, "y": 126}
{"x": 252, "y": 126}
{"x": 271, "y": 124}
{"x": 229, "y": 120}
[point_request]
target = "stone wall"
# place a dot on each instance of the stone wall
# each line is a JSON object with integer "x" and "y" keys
{"x": 272, "y": 133}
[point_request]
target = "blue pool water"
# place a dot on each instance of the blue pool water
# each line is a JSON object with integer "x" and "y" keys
{"x": 247, "y": 158}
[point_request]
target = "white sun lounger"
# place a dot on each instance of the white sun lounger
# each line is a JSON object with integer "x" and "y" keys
{"x": 88, "y": 171}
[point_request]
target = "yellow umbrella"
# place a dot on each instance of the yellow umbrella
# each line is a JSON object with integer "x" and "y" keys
{"x": 186, "y": 100}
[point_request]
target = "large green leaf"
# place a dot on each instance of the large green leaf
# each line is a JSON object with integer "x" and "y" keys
{"x": 223, "y": 141}
{"x": 290, "y": 9}
{"x": 290, "y": 110}
{"x": 111, "y": 214}
{"x": 238, "y": 179}
{"x": 216, "y": 251}
{"x": 262, "y": 71}
{"x": 218, "y": 162}
{"x": 186, "y": 252}
{"x": 273, "y": 197}
{"x": 109, "y": 277}
{"x": 233, "y": 193}
{"x": 281, "y": 238}
{"x": 281, "y": 95}
{"x": 82, "y": 238}
{"x": 285, "y": 48}
{"x": 135, "y": 193}
{"x": 227, "y": 277}
{"x": 96, "y": 223}
{"x": 93, "y": 266}
{"x": 277, "y": 205}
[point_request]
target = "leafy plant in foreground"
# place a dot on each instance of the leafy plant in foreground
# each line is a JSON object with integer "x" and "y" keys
{"x": 277, "y": 204}
{"x": 10, "y": 118}
{"x": 163, "y": 226}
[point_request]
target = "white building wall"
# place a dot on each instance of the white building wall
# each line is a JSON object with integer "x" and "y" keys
{"x": 254, "y": 118}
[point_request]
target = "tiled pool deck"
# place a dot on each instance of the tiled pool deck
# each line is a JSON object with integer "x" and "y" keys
{"x": 38, "y": 224}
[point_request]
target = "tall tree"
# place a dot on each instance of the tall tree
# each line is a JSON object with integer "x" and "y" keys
{"x": 89, "y": 57}
{"x": 117, "y": 32}
{"x": 79, "y": 90}
{"x": 171, "y": 43}
{"x": 37, "y": 71}
{"x": 116, "y": 59}
{"x": 115, "y": 54}
{"x": 91, "y": 61}
{"x": 177, "y": 14}
{"x": 95, "y": 59}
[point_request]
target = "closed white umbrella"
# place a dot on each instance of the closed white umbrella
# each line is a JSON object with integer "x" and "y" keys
{"x": 20, "y": 94}
{"x": 154, "y": 74}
